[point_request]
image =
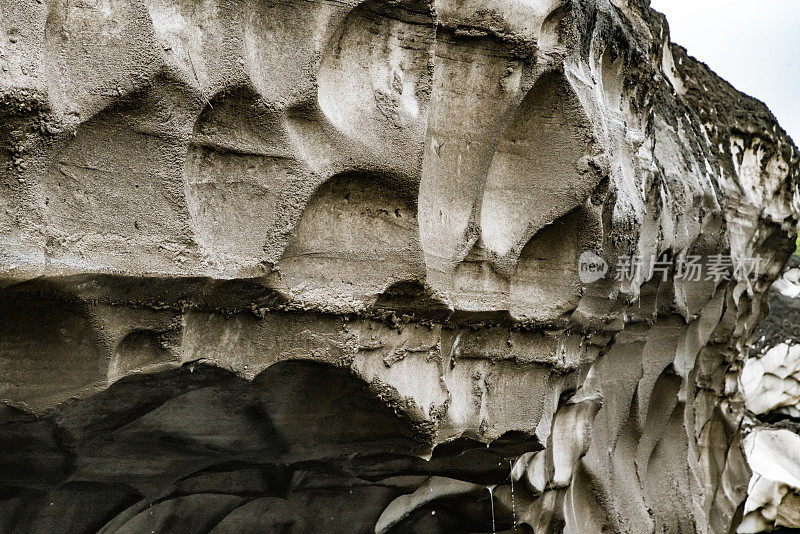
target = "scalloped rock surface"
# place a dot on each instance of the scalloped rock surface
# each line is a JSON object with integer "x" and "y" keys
{"x": 313, "y": 267}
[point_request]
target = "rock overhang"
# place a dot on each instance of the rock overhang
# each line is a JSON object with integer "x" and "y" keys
{"x": 400, "y": 191}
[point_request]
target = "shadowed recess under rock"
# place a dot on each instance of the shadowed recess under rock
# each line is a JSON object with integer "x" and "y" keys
{"x": 305, "y": 446}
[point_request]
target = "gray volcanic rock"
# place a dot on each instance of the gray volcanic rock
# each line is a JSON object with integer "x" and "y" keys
{"x": 769, "y": 385}
{"x": 355, "y": 266}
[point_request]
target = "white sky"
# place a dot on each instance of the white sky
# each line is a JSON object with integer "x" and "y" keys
{"x": 754, "y": 44}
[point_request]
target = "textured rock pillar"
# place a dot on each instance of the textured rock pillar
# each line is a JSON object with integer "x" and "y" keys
{"x": 316, "y": 266}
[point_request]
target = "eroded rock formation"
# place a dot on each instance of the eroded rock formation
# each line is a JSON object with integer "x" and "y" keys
{"x": 312, "y": 266}
{"x": 768, "y": 383}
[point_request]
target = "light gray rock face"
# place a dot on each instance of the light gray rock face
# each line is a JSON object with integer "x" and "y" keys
{"x": 313, "y": 266}
{"x": 769, "y": 385}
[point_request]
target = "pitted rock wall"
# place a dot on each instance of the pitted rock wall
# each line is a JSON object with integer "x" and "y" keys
{"x": 313, "y": 266}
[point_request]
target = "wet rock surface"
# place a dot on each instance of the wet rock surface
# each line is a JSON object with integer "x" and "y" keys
{"x": 322, "y": 267}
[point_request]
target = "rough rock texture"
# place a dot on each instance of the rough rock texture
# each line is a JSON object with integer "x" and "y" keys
{"x": 312, "y": 266}
{"x": 770, "y": 383}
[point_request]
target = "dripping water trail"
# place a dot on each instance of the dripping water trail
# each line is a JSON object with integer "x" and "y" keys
{"x": 513, "y": 504}
{"x": 491, "y": 499}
